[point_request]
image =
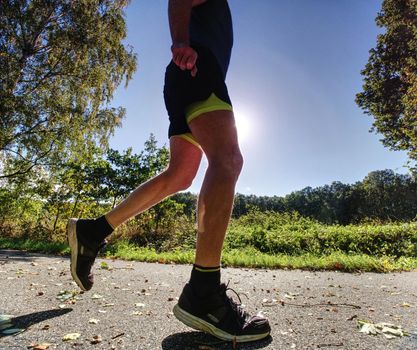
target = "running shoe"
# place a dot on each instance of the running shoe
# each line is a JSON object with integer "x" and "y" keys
{"x": 220, "y": 315}
{"x": 83, "y": 254}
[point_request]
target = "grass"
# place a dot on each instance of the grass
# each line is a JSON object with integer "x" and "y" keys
{"x": 60, "y": 248}
{"x": 243, "y": 257}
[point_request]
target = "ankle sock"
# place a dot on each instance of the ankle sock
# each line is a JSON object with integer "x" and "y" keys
{"x": 205, "y": 280}
{"x": 95, "y": 230}
{"x": 102, "y": 228}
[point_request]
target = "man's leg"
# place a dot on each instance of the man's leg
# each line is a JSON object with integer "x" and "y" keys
{"x": 184, "y": 163}
{"x": 86, "y": 236}
{"x": 204, "y": 304}
{"x": 217, "y": 135}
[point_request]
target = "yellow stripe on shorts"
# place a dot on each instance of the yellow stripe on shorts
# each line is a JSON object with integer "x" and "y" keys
{"x": 213, "y": 103}
{"x": 190, "y": 138}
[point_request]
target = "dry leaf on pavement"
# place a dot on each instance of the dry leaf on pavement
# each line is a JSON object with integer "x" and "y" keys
{"x": 71, "y": 336}
{"x": 41, "y": 346}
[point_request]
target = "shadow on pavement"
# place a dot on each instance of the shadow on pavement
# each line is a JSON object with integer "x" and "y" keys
{"x": 195, "y": 340}
{"x": 8, "y": 256}
{"x": 28, "y": 320}
{"x": 14, "y": 255}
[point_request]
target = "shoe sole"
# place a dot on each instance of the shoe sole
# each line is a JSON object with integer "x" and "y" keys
{"x": 73, "y": 243}
{"x": 201, "y": 325}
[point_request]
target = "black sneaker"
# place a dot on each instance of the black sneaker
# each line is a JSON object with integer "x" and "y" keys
{"x": 220, "y": 316}
{"x": 83, "y": 254}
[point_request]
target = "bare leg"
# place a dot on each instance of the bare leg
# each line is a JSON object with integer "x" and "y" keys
{"x": 183, "y": 165}
{"x": 217, "y": 135}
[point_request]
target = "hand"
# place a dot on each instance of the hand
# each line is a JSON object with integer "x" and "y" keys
{"x": 185, "y": 57}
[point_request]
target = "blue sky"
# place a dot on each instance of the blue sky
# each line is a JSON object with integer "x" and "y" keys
{"x": 293, "y": 77}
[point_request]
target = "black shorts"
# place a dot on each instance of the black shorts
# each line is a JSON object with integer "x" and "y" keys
{"x": 182, "y": 91}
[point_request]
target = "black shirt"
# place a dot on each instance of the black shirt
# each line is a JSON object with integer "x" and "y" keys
{"x": 211, "y": 27}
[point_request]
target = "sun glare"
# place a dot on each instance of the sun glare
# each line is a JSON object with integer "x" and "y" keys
{"x": 243, "y": 125}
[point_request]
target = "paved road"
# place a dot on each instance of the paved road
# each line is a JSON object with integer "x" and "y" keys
{"x": 133, "y": 301}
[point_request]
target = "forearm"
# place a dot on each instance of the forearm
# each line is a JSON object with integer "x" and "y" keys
{"x": 179, "y": 12}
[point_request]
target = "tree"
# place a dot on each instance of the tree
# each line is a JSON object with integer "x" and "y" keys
{"x": 385, "y": 195}
{"x": 45, "y": 199}
{"x": 390, "y": 77}
{"x": 115, "y": 177}
{"x": 60, "y": 63}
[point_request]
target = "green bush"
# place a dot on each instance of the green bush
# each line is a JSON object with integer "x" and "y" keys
{"x": 291, "y": 234}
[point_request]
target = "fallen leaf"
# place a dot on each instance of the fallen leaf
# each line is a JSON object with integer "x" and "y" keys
{"x": 139, "y": 304}
{"x": 96, "y": 339}
{"x": 96, "y": 296}
{"x": 93, "y": 321}
{"x": 67, "y": 295}
{"x": 105, "y": 266}
{"x": 46, "y": 327}
{"x": 392, "y": 332}
{"x": 42, "y": 346}
{"x": 368, "y": 328}
{"x": 290, "y": 296}
{"x": 389, "y": 330}
{"x": 71, "y": 336}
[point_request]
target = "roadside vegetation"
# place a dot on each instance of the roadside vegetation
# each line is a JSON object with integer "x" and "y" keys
{"x": 263, "y": 240}
{"x": 366, "y": 226}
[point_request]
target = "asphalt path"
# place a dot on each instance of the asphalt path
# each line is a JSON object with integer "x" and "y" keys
{"x": 130, "y": 306}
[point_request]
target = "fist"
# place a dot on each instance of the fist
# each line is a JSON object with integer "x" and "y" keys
{"x": 185, "y": 57}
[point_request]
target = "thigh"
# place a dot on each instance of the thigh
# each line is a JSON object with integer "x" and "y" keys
{"x": 185, "y": 157}
{"x": 216, "y": 133}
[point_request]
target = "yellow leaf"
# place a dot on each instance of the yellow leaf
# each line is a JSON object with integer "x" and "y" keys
{"x": 71, "y": 336}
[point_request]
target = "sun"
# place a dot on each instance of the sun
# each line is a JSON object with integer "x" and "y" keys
{"x": 243, "y": 124}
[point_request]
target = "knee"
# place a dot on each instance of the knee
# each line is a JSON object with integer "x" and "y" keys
{"x": 229, "y": 163}
{"x": 179, "y": 180}
{"x": 184, "y": 182}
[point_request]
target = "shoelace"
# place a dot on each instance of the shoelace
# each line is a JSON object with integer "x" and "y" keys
{"x": 239, "y": 311}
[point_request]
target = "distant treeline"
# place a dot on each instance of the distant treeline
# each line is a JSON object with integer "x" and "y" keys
{"x": 38, "y": 203}
{"x": 381, "y": 196}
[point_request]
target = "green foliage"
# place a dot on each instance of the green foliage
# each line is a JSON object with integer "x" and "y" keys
{"x": 390, "y": 77}
{"x": 61, "y": 62}
{"x": 383, "y": 195}
{"x": 40, "y": 204}
{"x": 34, "y": 245}
{"x": 292, "y": 234}
{"x": 164, "y": 227}
{"x": 244, "y": 257}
